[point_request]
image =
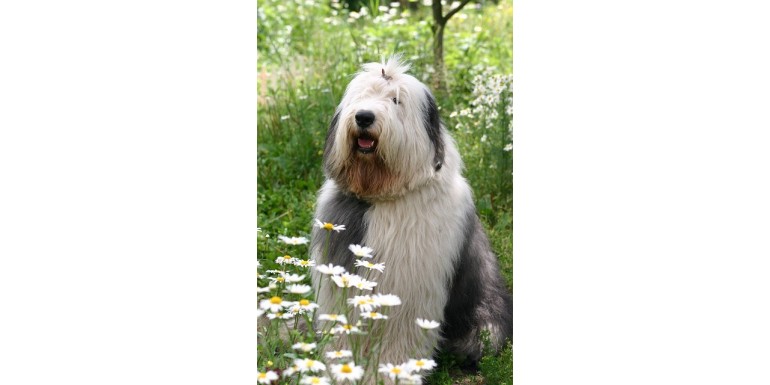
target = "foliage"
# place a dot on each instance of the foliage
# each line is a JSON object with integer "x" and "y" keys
{"x": 308, "y": 52}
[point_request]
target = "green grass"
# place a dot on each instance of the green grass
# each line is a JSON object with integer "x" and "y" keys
{"x": 307, "y": 55}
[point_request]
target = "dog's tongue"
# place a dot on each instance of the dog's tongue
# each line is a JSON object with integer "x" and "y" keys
{"x": 365, "y": 143}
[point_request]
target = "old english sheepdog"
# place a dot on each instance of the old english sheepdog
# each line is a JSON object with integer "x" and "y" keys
{"x": 393, "y": 178}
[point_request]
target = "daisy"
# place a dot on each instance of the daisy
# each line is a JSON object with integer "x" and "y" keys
{"x": 275, "y": 304}
{"x": 346, "y": 328}
{"x": 427, "y": 324}
{"x": 313, "y": 380}
{"x": 267, "y": 377}
{"x": 262, "y": 289}
{"x": 329, "y": 226}
{"x": 298, "y": 289}
{"x": 307, "y": 305}
{"x": 303, "y": 346}
{"x": 333, "y": 317}
{"x": 260, "y": 312}
{"x": 374, "y": 315}
{"x": 286, "y": 259}
{"x": 347, "y": 371}
{"x": 304, "y": 263}
{"x": 346, "y": 280}
{"x": 307, "y": 364}
{"x": 412, "y": 379}
{"x": 365, "y": 303}
{"x": 363, "y": 284}
{"x": 393, "y": 371}
{"x": 293, "y": 240}
{"x": 421, "y": 364}
{"x": 330, "y": 269}
{"x": 361, "y": 251}
{"x": 387, "y": 299}
{"x": 280, "y": 315}
{"x": 293, "y": 278}
{"x": 339, "y": 354}
{"x": 371, "y": 266}
{"x": 288, "y": 372}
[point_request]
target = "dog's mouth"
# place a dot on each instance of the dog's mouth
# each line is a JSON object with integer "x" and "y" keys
{"x": 366, "y": 144}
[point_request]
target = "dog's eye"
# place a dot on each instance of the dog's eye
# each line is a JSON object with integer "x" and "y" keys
{"x": 396, "y": 101}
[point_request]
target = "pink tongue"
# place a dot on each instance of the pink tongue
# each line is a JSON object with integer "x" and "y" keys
{"x": 365, "y": 143}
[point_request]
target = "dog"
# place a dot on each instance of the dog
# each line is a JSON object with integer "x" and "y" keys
{"x": 393, "y": 179}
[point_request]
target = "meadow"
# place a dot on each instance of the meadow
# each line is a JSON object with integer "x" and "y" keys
{"x": 308, "y": 51}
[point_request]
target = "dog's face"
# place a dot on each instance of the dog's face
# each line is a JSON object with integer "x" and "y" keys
{"x": 386, "y": 137}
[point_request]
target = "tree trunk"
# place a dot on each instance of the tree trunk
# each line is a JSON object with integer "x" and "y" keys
{"x": 439, "y": 22}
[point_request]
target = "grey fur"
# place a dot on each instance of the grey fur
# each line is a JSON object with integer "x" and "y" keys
{"x": 478, "y": 297}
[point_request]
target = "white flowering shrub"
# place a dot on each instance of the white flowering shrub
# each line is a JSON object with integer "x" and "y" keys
{"x": 292, "y": 348}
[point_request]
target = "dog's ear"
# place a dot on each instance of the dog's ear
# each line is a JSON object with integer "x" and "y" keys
{"x": 330, "y": 135}
{"x": 432, "y": 123}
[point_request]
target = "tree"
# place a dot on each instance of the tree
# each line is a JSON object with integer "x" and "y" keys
{"x": 439, "y": 22}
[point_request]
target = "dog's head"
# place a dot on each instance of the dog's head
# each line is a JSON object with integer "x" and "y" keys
{"x": 386, "y": 137}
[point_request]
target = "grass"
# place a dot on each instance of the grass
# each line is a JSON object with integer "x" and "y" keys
{"x": 308, "y": 52}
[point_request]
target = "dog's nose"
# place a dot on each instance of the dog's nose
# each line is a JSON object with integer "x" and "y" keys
{"x": 364, "y": 118}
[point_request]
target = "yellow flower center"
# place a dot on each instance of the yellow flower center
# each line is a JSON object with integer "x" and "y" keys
{"x": 280, "y": 279}
{"x": 262, "y": 375}
{"x": 315, "y": 380}
{"x": 269, "y": 363}
{"x": 420, "y": 363}
{"x": 304, "y": 302}
{"x": 287, "y": 257}
{"x": 347, "y": 327}
{"x": 310, "y": 363}
{"x": 328, "y": 226}
{"x": 276, "y": 300}
{"x": 396, "y": 370}
{"x": 346, "y": 369}
{"x": 373, "y": 314}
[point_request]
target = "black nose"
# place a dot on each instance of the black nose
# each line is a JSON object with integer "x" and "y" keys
{"x": 364, "y": 118}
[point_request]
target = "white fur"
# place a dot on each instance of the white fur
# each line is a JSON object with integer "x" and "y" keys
{"x": 417, "y": 229}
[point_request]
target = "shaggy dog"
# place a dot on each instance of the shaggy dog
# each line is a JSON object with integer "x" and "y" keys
{"x": 393, "y": 178}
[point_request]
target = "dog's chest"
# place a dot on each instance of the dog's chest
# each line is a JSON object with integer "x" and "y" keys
{"x": 418, "y": 239}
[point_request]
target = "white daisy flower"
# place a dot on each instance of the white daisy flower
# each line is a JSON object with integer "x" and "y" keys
{"x": 293, "y": 240}
{"x": 427, "y": 324}
{"x": 308, "y": 365}
{"x": 293, "y": 278}
{"x": 307, "y": 305}
{"x": 280, "y": 315}
{"x": 347, "y": 371}
{"x": 374, "y": 315}
{"x": 260, "y": 312}
{"x": 273, "y": 304}
{"x": 364, "y": 284}
{"x": 371, "y": 266}
{"x": 394, "y": 371}
{"x": 365, "y": 303}
{"x": 361, "y": 251}
{"x": 266, "y": 377}
{"x": 339, "y": 354}
{"x": 333, "y": 317}
{"x": 288, "y": 372}
{"x": 330, "y": 269}
{"x": 346, "y": 280}
{"x": 387, "y": 299}
{"x": 313, "y": 380}
{"x": 298, "y": 289}
{"x": 304, "y": 262}
{"x": 286, "y": 259}
{"x": 262, "y": 290}
{"x": 329, "y": 226}
{"x": 421, "y": 364}
{"x": 303, "y": 346}
{"x": 346, "y": 329}
{"x": 412, "y": 379}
